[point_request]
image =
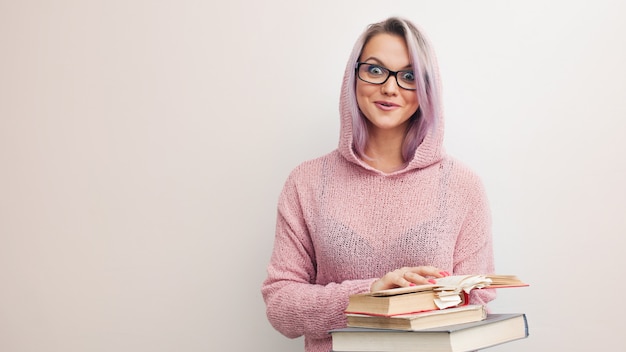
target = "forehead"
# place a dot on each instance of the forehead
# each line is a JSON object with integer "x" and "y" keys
{"x": 387, "y": 49}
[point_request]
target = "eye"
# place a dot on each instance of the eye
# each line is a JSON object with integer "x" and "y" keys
{"x": 375, "y": 70}
{"x": 407, "y": 76}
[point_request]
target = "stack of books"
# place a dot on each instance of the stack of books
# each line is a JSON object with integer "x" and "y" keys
{"x": 429, "y": 318}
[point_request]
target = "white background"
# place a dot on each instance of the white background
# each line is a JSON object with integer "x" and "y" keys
{"x": 143, "y": 145}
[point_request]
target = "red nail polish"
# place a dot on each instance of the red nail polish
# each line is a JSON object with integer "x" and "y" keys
{"x": 432, "y": 281}
{"x": 411, "y": 284}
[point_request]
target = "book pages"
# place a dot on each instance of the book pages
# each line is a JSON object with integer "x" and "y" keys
{"x": 449, "y": 288}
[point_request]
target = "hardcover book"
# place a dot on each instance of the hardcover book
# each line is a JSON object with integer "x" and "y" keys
{"x": 494, "y": 330}
{"x": 447, "y": 292}
{"x": 419, "y": 321}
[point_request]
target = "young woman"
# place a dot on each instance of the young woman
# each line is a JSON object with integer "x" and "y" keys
{"x": 388, "y": 208}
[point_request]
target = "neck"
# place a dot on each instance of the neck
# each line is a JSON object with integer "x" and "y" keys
{"x": 385, "y": 151}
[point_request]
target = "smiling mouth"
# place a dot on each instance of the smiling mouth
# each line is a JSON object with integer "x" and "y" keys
{"x": 386, "y": 105}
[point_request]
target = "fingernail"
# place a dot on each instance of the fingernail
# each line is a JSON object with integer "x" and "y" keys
{"x": 443, "y": 273}
{"x": 412, "y": 284}
{"x": 432, "y": 281}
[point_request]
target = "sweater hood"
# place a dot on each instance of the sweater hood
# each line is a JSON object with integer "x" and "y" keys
{"x": 430, "y": 150}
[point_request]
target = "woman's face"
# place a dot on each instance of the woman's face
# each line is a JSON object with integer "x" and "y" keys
{"x": 386, "y": 106}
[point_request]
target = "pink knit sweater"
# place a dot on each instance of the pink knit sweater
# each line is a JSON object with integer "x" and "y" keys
{"x": 342, "y": 224}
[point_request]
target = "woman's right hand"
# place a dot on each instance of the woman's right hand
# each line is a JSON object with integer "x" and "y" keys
{"x": 408, "y": 276}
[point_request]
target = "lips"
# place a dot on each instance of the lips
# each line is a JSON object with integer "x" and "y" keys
{"x": 386, "y": 105}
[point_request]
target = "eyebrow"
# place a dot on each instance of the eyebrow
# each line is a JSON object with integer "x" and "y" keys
{"x": 379, "y": 62}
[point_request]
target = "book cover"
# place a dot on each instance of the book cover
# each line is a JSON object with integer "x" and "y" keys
{"x": 494, "y": 330}
{"x": 418, "y": 321}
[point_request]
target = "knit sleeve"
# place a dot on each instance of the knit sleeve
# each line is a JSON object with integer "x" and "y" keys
{"x": 474, "y": 248}
{"x": 295, "y": 305}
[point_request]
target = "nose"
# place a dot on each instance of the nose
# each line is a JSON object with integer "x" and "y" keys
{"x": 390, "y": 87}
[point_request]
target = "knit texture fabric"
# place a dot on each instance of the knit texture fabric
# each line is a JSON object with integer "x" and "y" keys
{"x": 342, "y": 224}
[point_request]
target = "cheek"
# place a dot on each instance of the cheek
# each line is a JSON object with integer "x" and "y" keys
{"x": 361, "y": 96}
{"x": 363, "y": 92}
{"x": 411, "y": 100}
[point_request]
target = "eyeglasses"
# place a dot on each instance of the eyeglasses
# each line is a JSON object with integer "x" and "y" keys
{"x": 376, "y": 74}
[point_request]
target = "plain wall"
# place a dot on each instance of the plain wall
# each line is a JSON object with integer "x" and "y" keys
{"x": 143, "y": 145}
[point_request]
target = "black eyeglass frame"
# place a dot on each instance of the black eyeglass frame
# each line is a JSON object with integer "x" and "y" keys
{"x": 390, "y": 73}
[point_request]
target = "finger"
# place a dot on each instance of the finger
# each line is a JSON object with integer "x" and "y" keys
{"x": 429, "y": 271}
{"x": 390, "y": 280}
{"x": 407, "y": 278}
{"x": 417, "y": 279}
{"x": 398, "y": 277}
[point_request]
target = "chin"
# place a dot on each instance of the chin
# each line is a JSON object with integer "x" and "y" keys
{"x": 388, "y": 126}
